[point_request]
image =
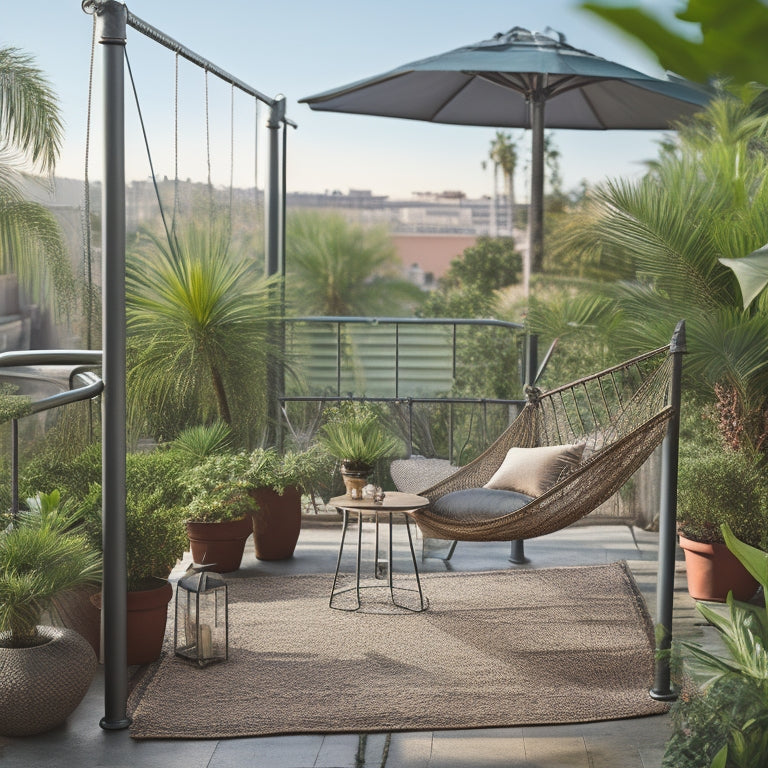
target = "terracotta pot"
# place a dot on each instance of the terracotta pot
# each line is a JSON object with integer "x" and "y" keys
{"x": 146, "y": 621}
{"x": 41, "y": 686}
{"x": 713, "y": 570}
{"x": 276, "y": 523}
{"x": 220, "y": 543}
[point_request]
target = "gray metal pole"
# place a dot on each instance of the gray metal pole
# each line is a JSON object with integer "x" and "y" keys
{"x": 272, "y": 187}
{"x": 273, "y": 235}
{"x": 536, "y": 212}
{"x": 112, "y": 27}
{"x": 665, "y": 587}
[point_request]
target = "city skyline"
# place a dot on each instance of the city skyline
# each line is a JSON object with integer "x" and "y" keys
{"x": 323, "y": 47}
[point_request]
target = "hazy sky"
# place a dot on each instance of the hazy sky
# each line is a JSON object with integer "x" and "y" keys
{"x": 299, "y": 48}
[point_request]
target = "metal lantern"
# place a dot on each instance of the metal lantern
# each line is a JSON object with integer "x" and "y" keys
{"x": 201, "y": 632}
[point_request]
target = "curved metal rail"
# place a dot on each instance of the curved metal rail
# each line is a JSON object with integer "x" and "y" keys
{"x": 29, "y": 366}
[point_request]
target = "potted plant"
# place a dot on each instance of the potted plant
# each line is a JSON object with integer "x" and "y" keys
{"x": 276, "y": 482}
{"x": 721, "y": 718}
{"x": 155, "y": 541}
{"x": 716, "y": 486}
{"x": 217, "y": 516}
{"x": 46, "y": 671}
{"x": 354, "y": 435}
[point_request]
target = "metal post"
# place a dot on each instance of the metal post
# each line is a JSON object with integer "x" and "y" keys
{"x": 15, "y": 468}
{"x": 665, "y": 586}
{"x": 536, "y": 223}
{"x": 111, "y": 17}
{"x": 273, "y": 239}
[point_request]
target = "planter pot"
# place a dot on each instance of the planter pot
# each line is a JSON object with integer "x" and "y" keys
{"x": 713, "y": 570}
{"x": 41, "y": 686}
{"x": 75, "y": 610}
{"x": 355, "y": 480}
{"x": 276, "y": 523}
{"x": 146, "y": 621}
{"x": 220, "y": 543}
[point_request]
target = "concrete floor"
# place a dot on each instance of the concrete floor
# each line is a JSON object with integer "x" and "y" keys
{"x": 633, "y": 743}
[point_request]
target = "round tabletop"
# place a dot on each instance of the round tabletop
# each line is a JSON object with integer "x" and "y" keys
{"x": 394, "y": 501}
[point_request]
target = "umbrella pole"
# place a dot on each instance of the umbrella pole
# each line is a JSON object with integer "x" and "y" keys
{"x": 536, "y": 206}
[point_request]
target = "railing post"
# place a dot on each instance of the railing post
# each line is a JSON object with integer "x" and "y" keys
{"x": 15, "y": 468}
{"x": 665, "y": 587}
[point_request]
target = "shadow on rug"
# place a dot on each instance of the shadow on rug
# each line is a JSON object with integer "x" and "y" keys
{"x": 495, "y": 649}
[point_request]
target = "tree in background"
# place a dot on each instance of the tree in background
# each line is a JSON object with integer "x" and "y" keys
{"x": 338, "y": 268}
{"x": 198, "y": 315}
{"x": 490, "y": 264}
{"x": 703, "y": 200}
{"x": 730, "y": 44}
{"x": 31, "y": 243}
{"x": 503, "y": 155}
{"x": 470, "y": 288}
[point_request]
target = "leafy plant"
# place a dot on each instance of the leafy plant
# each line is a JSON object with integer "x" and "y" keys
{"x": 217, "y": 489}
{"x": 204, "y": 440}
{"x": 42, "y": 555}
{"x": 154, "y": 511}
{"x": 717, "y": 485}
{"x": 725, "y": 723}
{"x": 354, "y": 435}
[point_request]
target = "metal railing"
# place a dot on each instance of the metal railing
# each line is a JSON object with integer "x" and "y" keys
{"x": 83, "y": 384}
{"x": 406, "y": 401}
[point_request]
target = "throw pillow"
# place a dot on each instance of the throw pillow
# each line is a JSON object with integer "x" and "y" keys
{"x": 535, "y": 470}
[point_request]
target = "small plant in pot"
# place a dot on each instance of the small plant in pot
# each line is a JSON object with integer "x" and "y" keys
{"x": 218, "y": 515}
{"x": 716, "y": 486}
{"x": 276, "y": 481}
{"x": 353, "y": 434}
{"x": 44, "y": 671}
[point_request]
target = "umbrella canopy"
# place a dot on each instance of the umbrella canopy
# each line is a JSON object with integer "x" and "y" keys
{"x": 521, "y": 79}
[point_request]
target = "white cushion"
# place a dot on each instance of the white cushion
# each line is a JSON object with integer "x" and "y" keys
{"x": 535, "y": 470}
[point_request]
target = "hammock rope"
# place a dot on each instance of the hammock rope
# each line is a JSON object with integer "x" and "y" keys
{"x": 619, "y": 414}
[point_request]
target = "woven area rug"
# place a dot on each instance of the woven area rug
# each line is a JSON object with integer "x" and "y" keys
{"x": 495, "y": 649}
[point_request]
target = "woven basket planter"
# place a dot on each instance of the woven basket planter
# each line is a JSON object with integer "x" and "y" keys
{"x": 41, "y": 686}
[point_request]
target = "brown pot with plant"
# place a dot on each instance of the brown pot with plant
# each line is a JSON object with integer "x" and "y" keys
{"x": 354, "y": 434}
{"x": 155, "y": 541}
{"x": 44, "y": 671}
{"x": 276, "y": 482}
{"x": 716, "y": 486}
{"x": 218, "y": 519}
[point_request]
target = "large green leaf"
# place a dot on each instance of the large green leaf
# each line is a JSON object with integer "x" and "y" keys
{"x": 752, "y": 273}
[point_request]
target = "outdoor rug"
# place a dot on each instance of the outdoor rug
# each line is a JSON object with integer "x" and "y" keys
{"x": 495, "y": 649}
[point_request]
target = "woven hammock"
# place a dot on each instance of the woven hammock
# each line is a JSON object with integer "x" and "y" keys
{"x": 619, "y": 414}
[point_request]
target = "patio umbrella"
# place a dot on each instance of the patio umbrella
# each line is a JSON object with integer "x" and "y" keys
{"x": 521, "y": 79}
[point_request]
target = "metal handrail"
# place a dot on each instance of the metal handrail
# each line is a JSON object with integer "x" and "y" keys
{"x": 81, "y": 360}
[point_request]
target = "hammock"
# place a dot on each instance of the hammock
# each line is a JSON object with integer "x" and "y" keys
{"x": 619, "y": 415}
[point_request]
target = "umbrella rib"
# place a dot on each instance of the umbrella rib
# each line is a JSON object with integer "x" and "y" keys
{"x": 450, "y": 98}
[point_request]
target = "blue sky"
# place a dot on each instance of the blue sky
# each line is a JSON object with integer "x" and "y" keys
{"x": 303, "y": 47}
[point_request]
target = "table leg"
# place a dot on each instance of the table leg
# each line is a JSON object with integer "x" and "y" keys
{"x": 423, "y": 602}
{"x": 334, "y": 593}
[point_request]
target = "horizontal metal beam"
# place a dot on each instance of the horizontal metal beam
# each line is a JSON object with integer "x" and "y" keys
{"x": 407, "y": 321}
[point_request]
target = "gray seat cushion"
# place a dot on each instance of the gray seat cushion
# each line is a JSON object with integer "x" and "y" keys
{"x": 479, "y": 504}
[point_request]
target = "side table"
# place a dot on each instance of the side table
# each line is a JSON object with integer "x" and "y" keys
{"x": 394, "y": 502}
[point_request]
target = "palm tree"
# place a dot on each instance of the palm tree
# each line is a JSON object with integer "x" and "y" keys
{"x": 339, "y": 268}
{"x": 703, "y": 200}
{"x": 31, "y": 244}
{"x": 503, "y": 155}
{"x": 198, "y": 318}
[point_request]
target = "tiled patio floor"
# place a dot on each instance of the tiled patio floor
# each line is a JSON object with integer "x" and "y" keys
{"x": 636, "y": 743}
